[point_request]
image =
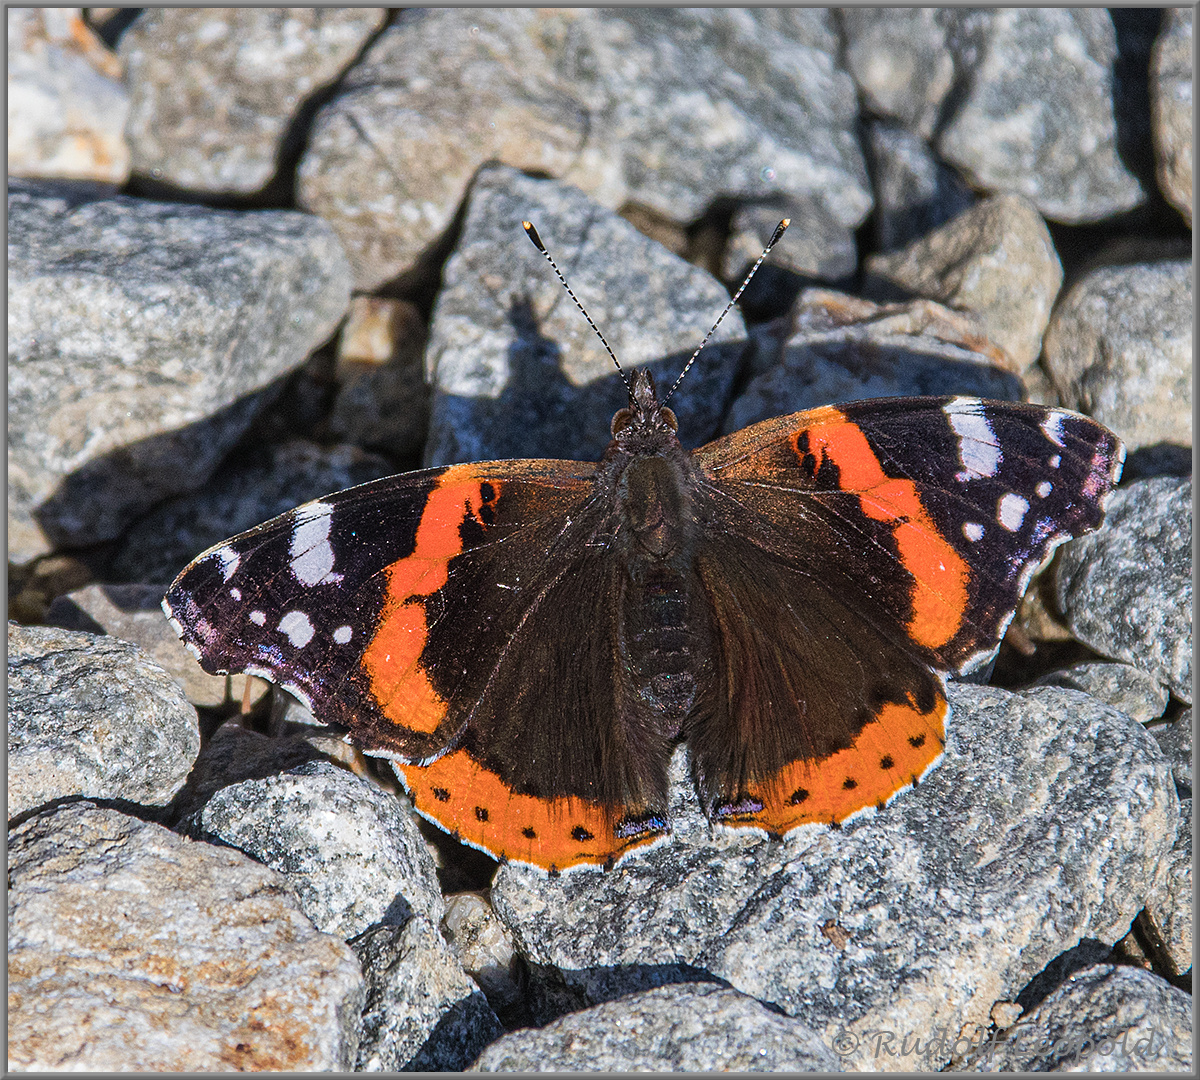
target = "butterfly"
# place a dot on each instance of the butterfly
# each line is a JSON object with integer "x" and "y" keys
{"x": 528, "y": 641}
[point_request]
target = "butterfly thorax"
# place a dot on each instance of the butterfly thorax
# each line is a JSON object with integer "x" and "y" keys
{"x": 651, "y": 482}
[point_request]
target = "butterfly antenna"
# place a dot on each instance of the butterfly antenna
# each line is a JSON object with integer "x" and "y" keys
{"x": 779, "y": 231}
{"x": 537, "y": 243}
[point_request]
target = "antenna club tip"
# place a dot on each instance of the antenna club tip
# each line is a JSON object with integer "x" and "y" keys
{"x": 785, "y": 222}
{"x": 532, "y": 233}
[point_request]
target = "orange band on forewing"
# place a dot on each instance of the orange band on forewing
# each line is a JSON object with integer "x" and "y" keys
{"x": 475, "y": 805}
{"x": 391, "y": 661}
{"x": 939, "y": 573}
{"x": 890, "y": 753}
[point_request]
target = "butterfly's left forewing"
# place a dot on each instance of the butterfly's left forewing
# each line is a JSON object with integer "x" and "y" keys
{"x": 427, "y": 613}
{"x": 872, "y": 547}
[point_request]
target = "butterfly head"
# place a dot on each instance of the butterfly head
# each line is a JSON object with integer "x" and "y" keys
{"x": 644, "y": 417}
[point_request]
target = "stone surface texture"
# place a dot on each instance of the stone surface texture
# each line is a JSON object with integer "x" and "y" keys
{"x": 1037, "y": 117}
{"x": 1171, "y": 906}
{"x": 995, "y": 260}
{"x": 901, "y": 61}
{"x": 1171, "y": 104}
{"x": 1103, "y": 1019}
{"x": 132, "y": 949}
{"x": 92, "y": 716}
{"x": 667, "y": 108}
{"x": 1136, "y": 693}
{"x": 351, "y": 852}
{"x": 842, "y": 348}
{"x": 915, "y": 192}
{"x": 1119, "y": 347}
{"x": 129, "y": 323}
{"x": 695, "y": 1028}
{"x": 1175, "y": 738}
{"x": 1126, "y": 589}
{"x": 422, "y": 1013}
{"x": 214, "y": 90}
{"x": 67, "y": 103}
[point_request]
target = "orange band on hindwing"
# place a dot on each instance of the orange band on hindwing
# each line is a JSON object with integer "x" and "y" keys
{"x": 554, "y": 834}
{"x": 939, "y": 573}
{"x": 891, "y": 753}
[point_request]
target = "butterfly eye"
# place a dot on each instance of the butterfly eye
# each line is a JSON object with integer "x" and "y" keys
{"x": 621, "y": 420}
{"x": 669, "y": 418}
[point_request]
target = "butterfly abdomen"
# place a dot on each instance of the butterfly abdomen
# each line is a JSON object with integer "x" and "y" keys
{"x": 663, "y": 636}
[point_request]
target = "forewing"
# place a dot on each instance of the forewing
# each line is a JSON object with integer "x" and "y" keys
{"x": 455, "y": 620}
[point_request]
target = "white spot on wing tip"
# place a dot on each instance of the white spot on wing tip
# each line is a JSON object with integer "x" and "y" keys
{"x": 259, "y": 618}
{"x": 228, "y": 559}
{"x": 972, "y": 530}
{"x": 343, "y": 634}
{"x": 1052, "y": 427}
{"x": 977, "y": 447}
{"x": 298, "y": 628}
{"x": 311, "y": 551}
{"x": 1011, "y": 511}
{"x": 313, "y": 510}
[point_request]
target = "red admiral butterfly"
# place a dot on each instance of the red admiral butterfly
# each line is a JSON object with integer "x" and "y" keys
{"x": 528, "y": 640}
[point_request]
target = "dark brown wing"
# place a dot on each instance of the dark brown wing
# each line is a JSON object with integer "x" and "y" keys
{"x": 861, "y": 552}
{"x": 463, "y": 621}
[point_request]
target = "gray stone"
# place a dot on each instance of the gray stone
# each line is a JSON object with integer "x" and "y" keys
{"x": 822, "y": 246}
{"x": 1037, "y": 116}
{"x": 901, "y": 62}
{"x": 134, "y": 613}
{"x": 1175, "y": 740}
{"x": 422, "y": 1013}
{"x": 92, "y": 716}
{"x": 695, "y": 103}
{"x": 517, "y": 371}
{"x": 667, "y": 108}
{"x": 1171, "y": 106}
{"x": 484, "y": 948}
{"x": 696, "y": 1028}
{"x": 1126, "y": 590}
{"x": 914, "y": 191}
{"x": 351, "y": 852}
{"x": 276, "y": 479}
{"x": 439, "y": 93}
{"x": 1102, "y": 1019}
{"x": 1134, "y": 692}
{"x": 139, "y": 334}
{"x": 1119, "y": 347}
{"x": 132, "y": 949}
{"x": 215, "y": 90}
{"x": 66, "y": 101}
{"x": 232, "y": 754}
{"x": 995, "y": 260}
{"x": 383, "y": 399}
{"x": 1045, "y": 822}
{"x": 1171, "y": 904}
{"x": 845, "y": 349}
